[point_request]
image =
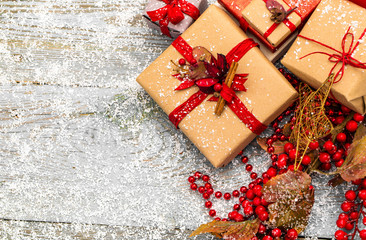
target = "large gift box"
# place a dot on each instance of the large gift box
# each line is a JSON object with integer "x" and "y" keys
{"x": 264, "y": 95}
{"x": 172, "y": 17}
{"x": 333, "y": 41}
{"x": 254, "y": 16}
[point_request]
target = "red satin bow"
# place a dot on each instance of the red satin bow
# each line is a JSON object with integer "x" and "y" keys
{"x": 173, "y": 12}
{"x": 344, "y": 56}
{"x": 233, "y": 101}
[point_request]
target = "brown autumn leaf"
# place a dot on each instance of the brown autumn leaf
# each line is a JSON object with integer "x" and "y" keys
{"x": 354, "y": 166}
{"x": 278, "y": 145}
{"x": 229, "y": 230}
{"x": 291, "y": 200}
{"x": 336, "y": 181}
{"x": 287, "y": 129}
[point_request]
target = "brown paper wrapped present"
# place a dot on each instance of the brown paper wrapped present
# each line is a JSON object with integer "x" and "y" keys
{"x": 267, "y": 95}
{"x": 333, "y": 22}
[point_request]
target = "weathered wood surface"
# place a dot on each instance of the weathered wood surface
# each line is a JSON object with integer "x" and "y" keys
{"x": 80, "y": 141}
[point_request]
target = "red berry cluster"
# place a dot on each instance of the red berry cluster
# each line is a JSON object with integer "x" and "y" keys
{"x": 353, "y": 211}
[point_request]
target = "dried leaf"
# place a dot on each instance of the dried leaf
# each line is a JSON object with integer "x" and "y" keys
{"x": 230, "y": 230}
{"x": 201, "y": 54}
{"x": 354, "y": 166}
{"x": 291, "y": 200}
{"x": 273, "y": 4}
{"x": 278, "y": 11}
{"x": 336, "y": 181}
{"x": 287, "y": 129}
{"x": 198, "y": 71}
{"x": 279, "y": 146}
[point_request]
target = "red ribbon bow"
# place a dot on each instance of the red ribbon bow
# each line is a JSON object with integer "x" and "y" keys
{"x": 233, "y": 101}
{"x": 344, "y": 56}
{"x": 173, "y": 12}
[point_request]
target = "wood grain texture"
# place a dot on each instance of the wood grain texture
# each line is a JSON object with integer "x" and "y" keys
{"x": 80, "y": 142}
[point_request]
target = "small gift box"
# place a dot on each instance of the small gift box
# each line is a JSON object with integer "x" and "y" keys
{"x": 333, "y": 41}
{"x": 173, "y": 17}
{"x": 196, "y": 75}
{"x": 362, "y": 3}
{"x": 273, "y": 22}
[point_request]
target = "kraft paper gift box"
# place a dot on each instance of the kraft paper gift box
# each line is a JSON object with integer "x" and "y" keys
{"x": 267, "y": 95}
{"x": 175, "y": 29}
{"x": 328, "y": 25}
{"x": 254, "y": 17}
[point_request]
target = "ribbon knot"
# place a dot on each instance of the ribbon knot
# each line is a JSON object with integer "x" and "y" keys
{"x": 227, "y": 93}
{"x": 344, "y": 57}
{"x": 173, "y": 12}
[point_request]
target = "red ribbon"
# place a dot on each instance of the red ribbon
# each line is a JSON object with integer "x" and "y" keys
{"x": 233, "y": 101}
{"x": 344, "y": 56}
{"x": 173, "y": 12}
{"x": 287, "y": 22}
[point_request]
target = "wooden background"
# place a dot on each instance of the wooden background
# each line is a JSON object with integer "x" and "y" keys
{"x": 85, "y": 153}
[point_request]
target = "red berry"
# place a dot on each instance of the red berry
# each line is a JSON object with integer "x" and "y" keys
{"x": 363, "y": 234}
{"x": 246, "y": 203}
{"x": 276, "y": 232}
{"x": 208, "y": 204}
{"x": 254, "y": 238}
{"x": 260, "y": 209}
{"x": 191, "y": 179}
{"x": 205, "y": 178}
{"x": 272, "y": 172}
{"x": 182, "y": 61}
{"x": 357, "y": 182}
{"x": 248, "y": 210}
{"x": 350, "y": 195}
{"x": 314, "y": 145}
{"x": 194, "y": 186}
{"x": 257, "y": 189}
{"x": 339, "y": 120}
{"x": 326, "y": 166}
{"x": 236, "y": 193}
{"x": 253, "y": 175}
{"x": 282, "y": 161}
{"x": 343, "y": 216}
{"x": 341, "y": 223}
{"x": 349, "y": 226}
{"x": 249, "y": 167}
{"x": 270, "y": 149}
{"x": 292, "y": 154}
{"x": 324, "y": 157}
{"x": 346, "y": 206}
{"x": 345, "y": 109}
{"x": 263, "y": 216}
{"x": 217, "y": 87}
{"x": 329, "y": 146}
{"x": 340, "y": 235}
{"x": 244, "y": 159}
{"x": 197, "y": 175}
{"x": 339, "y": 163}
{"x": 267, "y": 238}
{"x": 341, "y": 137}
{"x": 218, "y": 194}
{"x": 206, "y": 195}
{"x": 358, "y": 117}
{"x": 250, "y": 194}
{"x": 351, "y": 126}
{"x": 306, "y": 160}
{"x": 269, "y": 141}
{"x": 227, "y": 196}
{"x": 363, "y": 184}
{"x": 353, "y": 215}
{"x": 241, "y": 199}
{"x": 236, "y": 207}
{"x": 256, "y": 201}
{"x": 362, "y": 195}
{"x": 208, "y": 186}
{"x": 193, "y": 61}
{"x": 262, "y": 229}
{"x": 238, "y": 218}
{"x": 337, "y": 156}
{"x": 243, "y": 189}
{"x": 288, "y": 147}
{"x": 212, "y": 213}
{"x": 291, "y": 234}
